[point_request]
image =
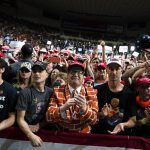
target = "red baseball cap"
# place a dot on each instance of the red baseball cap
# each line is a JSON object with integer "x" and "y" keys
{"x": 143, "y": 80}
{"x": 101, "y": 65}
{"x": 5, "y": 47}
{"x": 88, "y": 78}
{"x": 56, "y": 51}
{"x": 54, "y": 55}
{"x": 75, "y": 64}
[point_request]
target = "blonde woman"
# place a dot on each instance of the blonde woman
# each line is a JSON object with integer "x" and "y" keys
{"x": 24, "y": 77}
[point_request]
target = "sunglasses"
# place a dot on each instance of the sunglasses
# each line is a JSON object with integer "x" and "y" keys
{"x": 89, "y": 83}
{"x": 100, "y": 69}
{"x": 145, "y": 86}
{"x": 25, "y": 70}
{"x": 95, "y": 62}
{"x": 65, "y": 54}
{"x": 42, "y": 52}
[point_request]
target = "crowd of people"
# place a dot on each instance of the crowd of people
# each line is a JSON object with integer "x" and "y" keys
{"x": 53, "y": 87}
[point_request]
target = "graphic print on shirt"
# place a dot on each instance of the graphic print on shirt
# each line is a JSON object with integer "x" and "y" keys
{"x": 38, "y": 108}
{"x": 115, "y": 114}
{"x": 2, "y": 99}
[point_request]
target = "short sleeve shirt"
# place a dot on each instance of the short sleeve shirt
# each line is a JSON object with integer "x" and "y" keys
{"x": 35, "y": 104}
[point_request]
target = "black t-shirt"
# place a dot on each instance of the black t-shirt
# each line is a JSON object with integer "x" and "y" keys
{"x": 8, "y": 99}
{"x": 35, "y": 104}
{"x": 142, "y": 128}
{"x": 123, "y": 107}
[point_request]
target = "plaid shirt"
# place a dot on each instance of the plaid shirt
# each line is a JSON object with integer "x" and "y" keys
{"x": 73, "y": 119}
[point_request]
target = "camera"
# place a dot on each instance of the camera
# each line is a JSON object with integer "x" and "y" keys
{"x": 142, "y": 43}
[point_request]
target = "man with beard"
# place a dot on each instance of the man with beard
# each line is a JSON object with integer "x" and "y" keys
{"x": 116, "y": 103}
{"x": 73, "y": 107}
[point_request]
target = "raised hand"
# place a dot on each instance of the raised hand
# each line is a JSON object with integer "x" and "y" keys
{"x": 106, "y": 109}
{"x": 147, "y": 112}
{"x": 81, "y": 102}
{"x": 70, "y": 102}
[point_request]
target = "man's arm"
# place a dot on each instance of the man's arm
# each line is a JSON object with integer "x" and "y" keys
{"x": 121, "y": 126}
{"x": 36, "y": 141}
{"x": 7, "y": 122}
{"x": 88, "y": 66}
{"x": 147, "y": 112}
{"x": 138, "y": 73}
{"x": 103, "y": 51}
{"x": 130, "y": 72}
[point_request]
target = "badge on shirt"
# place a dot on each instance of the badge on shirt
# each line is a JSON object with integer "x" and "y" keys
{"x": 1, "y": 92}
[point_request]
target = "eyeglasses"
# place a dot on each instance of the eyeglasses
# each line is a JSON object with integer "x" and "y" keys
{"x": 51, "y": 52}
{"x": 73, "y": 72}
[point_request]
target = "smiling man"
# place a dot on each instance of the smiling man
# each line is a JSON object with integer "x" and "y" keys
{"x": 73, "y": 107}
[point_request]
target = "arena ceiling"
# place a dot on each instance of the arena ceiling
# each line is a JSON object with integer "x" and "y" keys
{"x": 115, "y": 11}
{"x": 127, "y": 14}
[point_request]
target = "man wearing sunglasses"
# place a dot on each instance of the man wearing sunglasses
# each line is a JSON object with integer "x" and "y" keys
{"x": 73, "y": 107}
{"x": 100, "y": 75}
{"x": 32, "y": 104}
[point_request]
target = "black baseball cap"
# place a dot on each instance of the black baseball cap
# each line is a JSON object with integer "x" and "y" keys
{"x": 26, "y": 49}
{"x": 40, "y": 64}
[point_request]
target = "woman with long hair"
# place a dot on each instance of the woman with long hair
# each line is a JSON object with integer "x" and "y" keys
{"x": 24, "y": 77}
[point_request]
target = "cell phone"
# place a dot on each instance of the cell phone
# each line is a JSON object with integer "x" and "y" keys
{"x": 55, "y": 59}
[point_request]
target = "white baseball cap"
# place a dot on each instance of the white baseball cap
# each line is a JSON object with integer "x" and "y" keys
{"x": 114, "y": 61}
{"x": 43, "y": 50}
{"x": 49, "y": 42}
{"x": 26, "y": 65}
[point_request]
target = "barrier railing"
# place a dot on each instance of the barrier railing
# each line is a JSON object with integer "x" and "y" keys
{"x": 14, "y": 139}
